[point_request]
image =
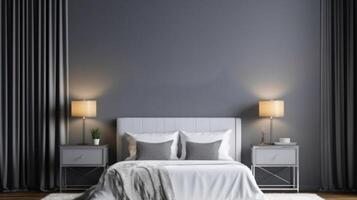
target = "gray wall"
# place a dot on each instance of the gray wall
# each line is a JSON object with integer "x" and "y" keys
{"x": 200, "y": 58}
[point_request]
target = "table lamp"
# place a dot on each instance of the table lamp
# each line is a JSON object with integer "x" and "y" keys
{"x": 83, "y": 109}
{"x": 271, "y": 109}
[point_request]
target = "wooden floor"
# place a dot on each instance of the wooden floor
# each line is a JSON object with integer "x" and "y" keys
{"x": 338, "y": 196}
{"x": 39, "y": 195}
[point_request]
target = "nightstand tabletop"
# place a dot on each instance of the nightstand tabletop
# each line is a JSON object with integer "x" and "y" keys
{"x": 274, "y": 146}
{"x": 83, "y": 146}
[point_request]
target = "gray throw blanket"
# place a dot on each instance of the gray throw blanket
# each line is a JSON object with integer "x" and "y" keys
{"x": 132, "y": 181}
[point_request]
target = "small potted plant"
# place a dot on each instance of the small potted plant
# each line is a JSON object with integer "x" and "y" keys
{"x": 95, "y": 135}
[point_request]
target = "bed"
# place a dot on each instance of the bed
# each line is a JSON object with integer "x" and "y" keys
{"x": 177, "y": 179}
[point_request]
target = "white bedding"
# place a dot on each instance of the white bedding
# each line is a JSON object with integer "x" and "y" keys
{"x": 175, "y": 180}
{"x": 212, "y": 180}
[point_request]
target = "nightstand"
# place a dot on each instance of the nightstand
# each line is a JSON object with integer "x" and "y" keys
{"x": 269, "y": 156}
{"x": 75, "y": 156}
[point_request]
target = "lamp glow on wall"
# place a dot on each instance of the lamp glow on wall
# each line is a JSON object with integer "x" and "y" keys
{"x": 83, "y": 109}
{"x": 271, "y": 109}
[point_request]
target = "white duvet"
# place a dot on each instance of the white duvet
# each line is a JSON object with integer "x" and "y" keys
{"x": 211, "y": 180}
{"x": 175, "y": 180}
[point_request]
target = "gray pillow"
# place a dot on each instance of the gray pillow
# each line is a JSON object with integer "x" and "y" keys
{"x": 153, "y": 151}
{"x": 202, "y": 151}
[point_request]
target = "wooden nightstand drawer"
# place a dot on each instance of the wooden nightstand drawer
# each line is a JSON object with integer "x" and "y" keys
{"x": 82, "y": 156}
{"x": 275, "y": 156}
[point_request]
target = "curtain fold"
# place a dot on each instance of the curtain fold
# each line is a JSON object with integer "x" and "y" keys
{"x": 338, "y": 95}
{"x": 33, "y": 92}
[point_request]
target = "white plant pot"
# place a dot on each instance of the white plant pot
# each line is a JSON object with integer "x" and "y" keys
{"x": 96, "y": 141}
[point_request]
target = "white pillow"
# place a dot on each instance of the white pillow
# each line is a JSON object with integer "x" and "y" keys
{"x": 153, "y": 138}
{"x": 208, "y": 137}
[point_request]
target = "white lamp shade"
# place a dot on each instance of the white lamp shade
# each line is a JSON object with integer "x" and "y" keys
{"x": 84, "y": 108}
{"x": 271, "y": 108}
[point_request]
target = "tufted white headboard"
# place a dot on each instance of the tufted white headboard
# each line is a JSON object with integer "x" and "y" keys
{"x": 167, "y": 124}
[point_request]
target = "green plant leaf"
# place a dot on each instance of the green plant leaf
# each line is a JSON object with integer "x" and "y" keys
{"x": 95, "y": 132}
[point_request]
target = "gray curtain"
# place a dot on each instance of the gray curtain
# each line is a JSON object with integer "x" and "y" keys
{"x": 338, "y": 94}
{"x": 33, "y": 92}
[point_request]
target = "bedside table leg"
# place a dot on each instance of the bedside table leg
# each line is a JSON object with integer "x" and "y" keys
{"x": 60, "y": 181}
{"x": 297, "y": 179}
{"x": 294, "y": 177}
{"x": 65, "y": 178}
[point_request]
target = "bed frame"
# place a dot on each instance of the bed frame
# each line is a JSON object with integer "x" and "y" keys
{"x": 167, "y": 124}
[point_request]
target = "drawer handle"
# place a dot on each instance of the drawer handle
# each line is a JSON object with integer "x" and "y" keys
{"x": 79, "y": 157}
